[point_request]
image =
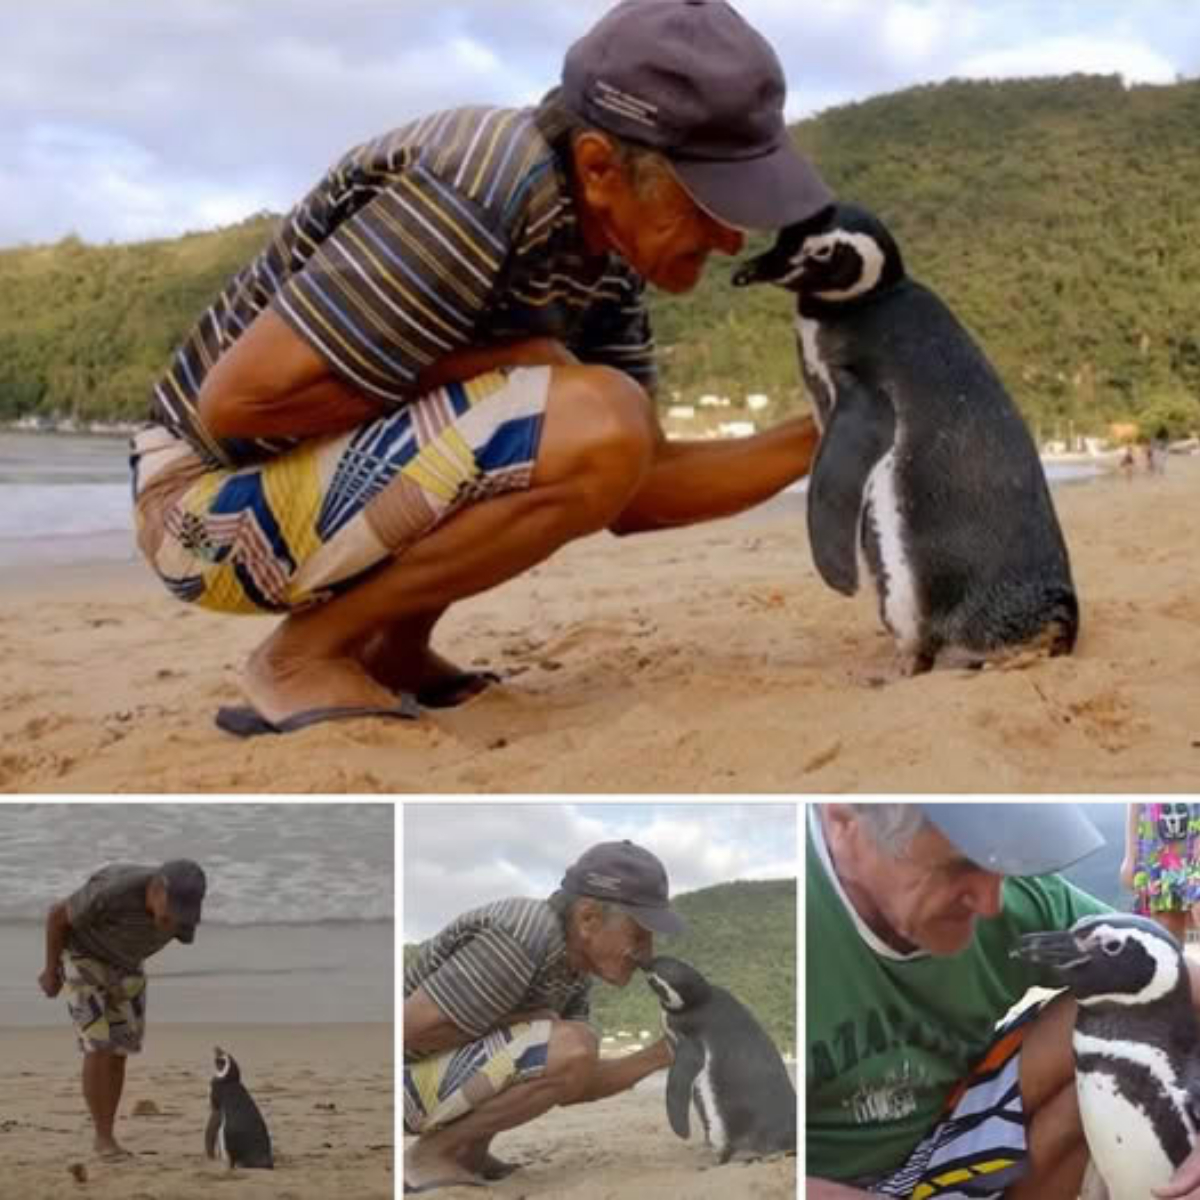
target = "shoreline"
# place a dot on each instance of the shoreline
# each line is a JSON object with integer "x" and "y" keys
{"x": 702, "y": 659}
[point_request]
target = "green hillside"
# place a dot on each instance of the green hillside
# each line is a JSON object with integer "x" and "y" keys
{"x": 742, "y": 936}
{"x": 1057, "y": 216}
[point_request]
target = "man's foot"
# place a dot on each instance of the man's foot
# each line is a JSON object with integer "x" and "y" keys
{"x": 496, "y": 1168}
{"x": 424, "y": 1172}
{"x": 410, "y": 664}
{"x": 279, "y": 683}
{"x": 109, "y": 1150}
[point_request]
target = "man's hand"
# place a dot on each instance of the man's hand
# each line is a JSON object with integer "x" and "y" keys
{"x": 51, "y": 980}
{"x": 1185, "y": 1183}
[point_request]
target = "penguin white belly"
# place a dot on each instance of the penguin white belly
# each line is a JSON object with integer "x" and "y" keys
{"x": 717, "y": 1133}
{"x": 897, "y": 588}
{"x": 222, "y": 1150}
{"x": 1124, "y": 1148}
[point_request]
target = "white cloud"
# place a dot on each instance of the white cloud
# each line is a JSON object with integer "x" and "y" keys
{"x": 458, "y": 856}
{"x": 1136, "y": 63}
{"x": 190, "y": 113}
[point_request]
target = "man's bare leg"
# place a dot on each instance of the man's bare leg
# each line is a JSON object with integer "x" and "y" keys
{"x": 596, "y": 447}
{"x": 457, "y": 1153}
{"x": 1058, "y": 1153}
{"x": 103, "y": 1082}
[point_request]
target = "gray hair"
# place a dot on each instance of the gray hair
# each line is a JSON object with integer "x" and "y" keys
{"x": 565, "y": 903}
{"x": 645, "y": 167}
{"x": 893, "y": 827}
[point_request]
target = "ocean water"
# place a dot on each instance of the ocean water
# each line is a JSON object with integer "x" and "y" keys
{"x": 65, "y": 498}
{"x": 297, "y": 921}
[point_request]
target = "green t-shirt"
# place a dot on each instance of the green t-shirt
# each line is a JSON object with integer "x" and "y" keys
{"x": 888, "y": 1035}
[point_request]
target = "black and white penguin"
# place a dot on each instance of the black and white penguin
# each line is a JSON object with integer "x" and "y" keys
{"x": 925, "y": 469}
{"x": 1136, "y": 1043}
{"x": 725, "y": 1064}
{"x": 236, "y": 1130}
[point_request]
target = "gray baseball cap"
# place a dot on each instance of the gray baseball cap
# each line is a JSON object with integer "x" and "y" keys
{"x": 693, "y": 80}
{"x": 1017, "y": 839}
{"x": 630, "y": 878}
{"x": 186, "y": 885}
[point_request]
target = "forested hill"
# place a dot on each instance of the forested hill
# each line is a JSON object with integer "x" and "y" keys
{"x": 1059, "y": 218}
{"x": 742, "y": 936}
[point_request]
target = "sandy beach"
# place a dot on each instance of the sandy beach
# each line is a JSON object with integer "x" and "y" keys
{"x": 709, "y": 659}
{"x": 619, "y": 1149}
{"x": 326, "y": 1092}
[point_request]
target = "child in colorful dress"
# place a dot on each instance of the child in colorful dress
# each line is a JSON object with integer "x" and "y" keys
{"x": 1162, "y": 862}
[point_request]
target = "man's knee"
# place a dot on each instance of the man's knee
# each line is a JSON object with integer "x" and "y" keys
{"x": 599, "y": 438}
{"x": 572, "y": 1059}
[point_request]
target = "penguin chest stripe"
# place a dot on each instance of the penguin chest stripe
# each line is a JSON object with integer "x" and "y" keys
{"x": 897, "y": 582}
{"x": 1150, "y": 1058}
{"x": 717, "y": 1132}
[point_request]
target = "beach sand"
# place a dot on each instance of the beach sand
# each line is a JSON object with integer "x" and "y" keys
{"x": 709, "y": 659}
{"x": 620, "y": 1149}
{"x": 326, "y": 1091}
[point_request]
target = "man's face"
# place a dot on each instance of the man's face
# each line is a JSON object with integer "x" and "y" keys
{"x": 655, "y": 225}
{"x": 930, "y": 895}
{"x": 615, "y": 945}
{"x": 158, "y": 907}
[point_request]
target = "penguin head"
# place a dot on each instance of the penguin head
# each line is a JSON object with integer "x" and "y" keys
{"x": 1115, "y": 959}
{"x": 225, "y": 1066}
{"x": 842, "y": 254}
{"x": 676, "y": 984}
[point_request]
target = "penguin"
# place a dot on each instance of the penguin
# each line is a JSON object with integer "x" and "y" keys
{"x": 925, "y": 475}
{"x": 725, "y": 1064}
{"x": 1136, "y": 1044}
{"x": 236, "y": 1130}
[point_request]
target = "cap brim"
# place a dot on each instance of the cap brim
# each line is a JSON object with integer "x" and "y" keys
{"x": 1017, "y": 839}
{"x": 185, "y": 934}
{"x": 766, "y": 193}
{"x": 656, "y": 920}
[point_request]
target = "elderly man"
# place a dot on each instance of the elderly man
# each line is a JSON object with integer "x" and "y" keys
{"x": 496, "y": 1011}
{"x": 917, "y": 1085}
{"x": 105, "y": 931}
{"x": 439, "y": 371}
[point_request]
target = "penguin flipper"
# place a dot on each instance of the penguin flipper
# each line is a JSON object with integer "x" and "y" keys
{"x": 859, "y": 432}
{"x": 689, "y": 1058}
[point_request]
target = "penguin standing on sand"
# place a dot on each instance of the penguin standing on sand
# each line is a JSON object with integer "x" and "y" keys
{"x": 1136, "y": 1043}
{"x": 236, "y": 1130}
{"x": 725, "y": 1064}
{"x": 925, "y": 470}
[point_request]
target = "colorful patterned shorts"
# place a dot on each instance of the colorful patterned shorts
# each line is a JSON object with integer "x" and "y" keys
{"x": 107, "y": 1005}
{"x": 444, "y": 1087}
{"x": 978, "y": 1149}
{"x": 299, "y": 528}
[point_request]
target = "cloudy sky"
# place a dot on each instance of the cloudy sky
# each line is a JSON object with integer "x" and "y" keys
{"x": 457, "y": 856}
{"x": 129, "y": 119}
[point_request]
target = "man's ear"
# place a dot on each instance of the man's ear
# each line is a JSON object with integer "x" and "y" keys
{"x": 598, "y": 169}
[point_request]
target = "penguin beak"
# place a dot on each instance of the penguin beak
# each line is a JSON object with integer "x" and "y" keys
{"x": 1057, "y": 950}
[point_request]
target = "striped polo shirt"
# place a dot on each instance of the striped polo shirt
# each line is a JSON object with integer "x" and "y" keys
{"x": 503, "y": 958}
{"x": 109, "y": 920}
{"x": 456, "y": 230}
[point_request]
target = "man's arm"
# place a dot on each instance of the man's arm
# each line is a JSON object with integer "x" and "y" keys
{"x": 58, "y": 925}
{"x": 272, "y": 383}
{"x": 620, "y": 1074}
{"x": 699, "y": 481}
